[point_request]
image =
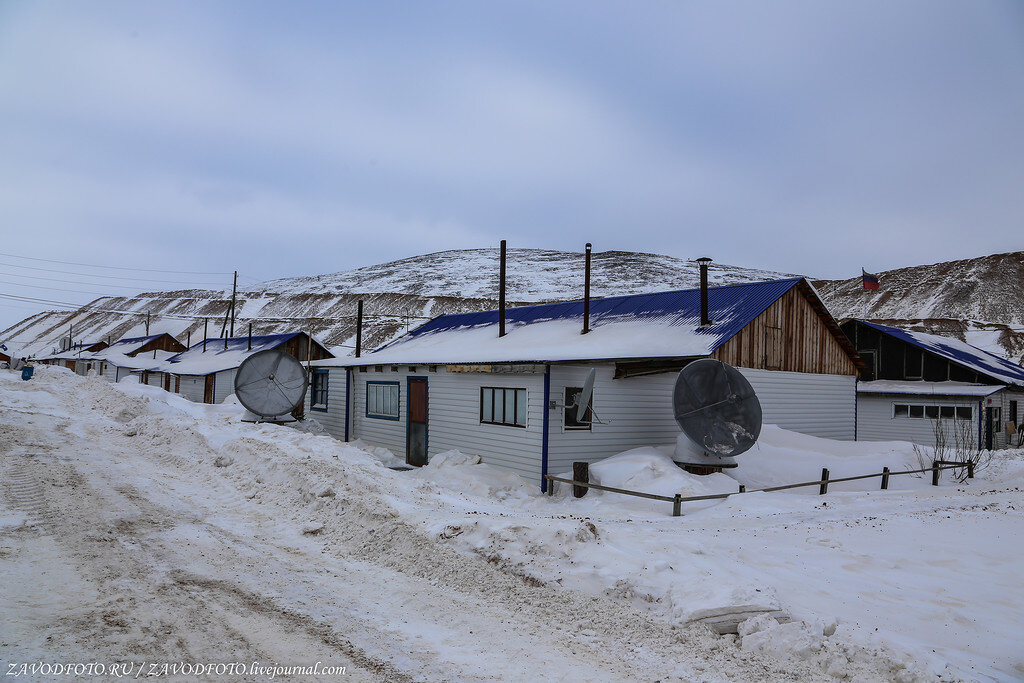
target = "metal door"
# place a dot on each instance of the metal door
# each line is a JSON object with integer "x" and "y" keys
{"x": 416, "y": 429}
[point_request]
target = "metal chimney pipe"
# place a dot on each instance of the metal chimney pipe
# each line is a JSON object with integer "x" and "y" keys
{"x": 188, "y": 338}
{"x": 359, "y": 327}
{"x": 501, "y": 293}
{"x": 586, "y": 292}
{"x": 250, "y": 336}
{"x": 705, "y": 319}
{"x": 205, "y": 326}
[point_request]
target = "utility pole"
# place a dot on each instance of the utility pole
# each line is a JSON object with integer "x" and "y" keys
{"x": 234, "y": 293}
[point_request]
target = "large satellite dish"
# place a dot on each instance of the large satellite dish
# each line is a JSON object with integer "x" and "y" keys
{"x": 718, "y": 412}
{"x": 270, "y": 384}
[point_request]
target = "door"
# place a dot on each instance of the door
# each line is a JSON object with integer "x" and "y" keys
{"x": 416, "y": 429}
{"x": 177, "y": 384}
{"x": 208, "y": 390}
{"x": 988, "y": 429}
{"x": 167, "y": 382}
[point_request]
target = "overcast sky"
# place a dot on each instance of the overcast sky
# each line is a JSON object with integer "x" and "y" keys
{"x": 299, "y": 138}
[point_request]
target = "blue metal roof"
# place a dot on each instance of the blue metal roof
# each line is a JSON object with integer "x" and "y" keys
{"x": 731, "y": 307}
{"x": 962, "y": 353}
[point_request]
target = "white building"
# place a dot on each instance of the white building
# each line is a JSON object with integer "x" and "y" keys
{"x": 455, "y": 384}
{"x": 921, "y": 387}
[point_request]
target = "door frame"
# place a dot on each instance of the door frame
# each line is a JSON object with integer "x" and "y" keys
{"x": 426, "y": 414}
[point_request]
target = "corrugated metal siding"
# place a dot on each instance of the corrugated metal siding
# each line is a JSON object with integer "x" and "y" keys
{"x": 815, "y": 404}
{"x": 454, "y": 417}
{"x": 332, "y": 419}
{"x": 192, "y": 387}
{"x": 875, "y": 421}
{"x": 155, "y": 379}
{"x": 224, "y": 385}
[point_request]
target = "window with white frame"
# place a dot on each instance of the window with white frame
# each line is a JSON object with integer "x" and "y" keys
{"x": 382, "y": 400}
{"x": 500, "y": 406}
{"x": 318, "y": 390}
{"x": 909, "y": 410}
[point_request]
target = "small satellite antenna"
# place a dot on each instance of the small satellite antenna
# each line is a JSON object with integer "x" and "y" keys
{"x": 586, "y": 394}
{"x": 270, "y": 384}
{"x": 719, "y": 414}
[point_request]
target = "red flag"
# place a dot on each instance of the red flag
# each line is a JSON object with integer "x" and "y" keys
{"x": 870, "y": 280}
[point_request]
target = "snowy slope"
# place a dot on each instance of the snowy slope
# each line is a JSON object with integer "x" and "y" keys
{"x": 397, "y": 296}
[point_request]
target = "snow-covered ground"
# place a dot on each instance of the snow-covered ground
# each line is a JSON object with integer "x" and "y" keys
{"x": 135, "y": 526}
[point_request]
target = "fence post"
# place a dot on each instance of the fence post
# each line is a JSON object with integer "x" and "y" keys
{"x": 970, "y": 469}
{"x": 580, "y": 472}
{"x": 551, "y": 485}
{"x": 824, "y": 482}
{"x": 885, "y": 478}
{"x": 935, "y": 472}
{"x": 677, "y": 505}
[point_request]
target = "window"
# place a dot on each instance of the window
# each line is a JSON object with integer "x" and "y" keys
{"x": 382, "y": 400}
{"x": 503, "y": 406}
{"x": 931, "y": 412}
{"x": 318, "y": 390}
{"x": 571, "y": 396}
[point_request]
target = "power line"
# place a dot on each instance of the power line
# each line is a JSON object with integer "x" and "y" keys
{"x": 108, "y": 277}
{"x": 90, "y": 265}
{"x": 59, "y": 289}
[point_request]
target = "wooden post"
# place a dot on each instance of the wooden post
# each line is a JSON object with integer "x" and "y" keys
{"x": 824, "y": 482}
{"x": 677, "y": 505}
{"x": 234, "y": 292}
{"x": 935, "y": 473}
{"x": 586, "y": 292}
{"x": 580, "y": 472}
{"x": 885, "y": 478}
{"x": 359, "y": 327}
{"x": 501, "y": 292}
{"x": 205, "y": 335}
{"x": 551, "y": 486}
{"x": 970, "y": 469}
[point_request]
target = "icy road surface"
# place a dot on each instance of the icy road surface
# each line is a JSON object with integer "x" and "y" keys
{"x": 136, "y": 526}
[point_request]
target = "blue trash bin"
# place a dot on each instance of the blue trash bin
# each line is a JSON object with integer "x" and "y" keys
{"x": 26, "y": 372}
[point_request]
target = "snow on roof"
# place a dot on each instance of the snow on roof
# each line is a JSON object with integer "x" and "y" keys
{"x": 959, "y": 352}
{"x": 885, "y": 386}
{"x": 661, "y": 325}
{"x": 143, "y": 361}
{"x": 221, "y": 354}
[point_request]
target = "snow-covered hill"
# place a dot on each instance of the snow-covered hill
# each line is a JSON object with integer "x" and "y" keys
{"x": 979, "y": 300}
{"x": 397, "y": 296}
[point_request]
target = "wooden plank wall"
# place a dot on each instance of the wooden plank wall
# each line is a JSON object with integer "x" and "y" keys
{"x": 790, "y": 335}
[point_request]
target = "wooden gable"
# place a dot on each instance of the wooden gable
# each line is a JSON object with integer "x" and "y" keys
{"x": 164, "y": 342}
{"x": 796, "y": 334}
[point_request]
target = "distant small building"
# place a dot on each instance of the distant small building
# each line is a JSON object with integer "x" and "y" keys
{"x": 205, "y": 373}
{"x": 454, "y": 383}
{"x": 915, "y": 383}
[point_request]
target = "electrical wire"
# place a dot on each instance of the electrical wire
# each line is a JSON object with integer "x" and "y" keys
{"x": 90, "y": 265}
{"x": 107, "y": 277}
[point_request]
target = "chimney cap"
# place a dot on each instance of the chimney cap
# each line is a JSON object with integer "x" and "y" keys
{"x": 702, "y": 260}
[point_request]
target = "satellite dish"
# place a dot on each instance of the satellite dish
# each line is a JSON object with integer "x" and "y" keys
{"x": 65, "y": 344}
{"x": 270, "y": 384}
{"x": 587, "y": 393}
{"x": 719, "y": 414}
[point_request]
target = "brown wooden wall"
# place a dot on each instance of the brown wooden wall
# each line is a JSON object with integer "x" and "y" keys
{"x": 790, "y": 335}
{"x": 164, "y": 342}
